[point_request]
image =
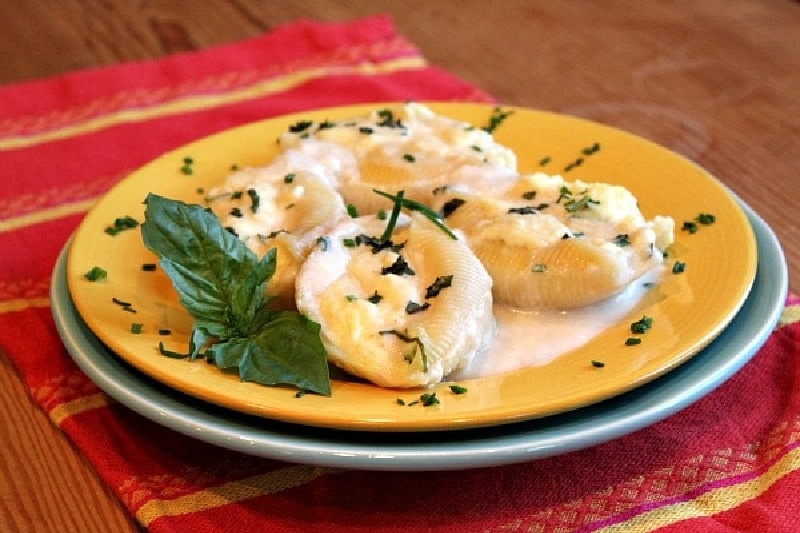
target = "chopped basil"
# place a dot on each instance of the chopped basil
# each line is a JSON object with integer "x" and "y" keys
{"x": 136, "y": 328}
{"x": 622, "y": 240}
{"x": 375, "y": 298}
{"x": 289, "y": 178}
{"x": 428, "y": 399}
{"x": 458, "y": 389}
{"x": 678, "y": 267}
{"x": 632, "y": 341}
{"x": 255, "y": 200}
{"x": 410, "y": 340}
{"x": 413, "y": 307}
{"x": 352, "y": 211}
{"x": 642, "y": 325}
{"x": 441, "y": 282}
{"x": 451, "y": 205}
{"x": 121, "y": 224}
{"x": 691, "y": 227}
{"x": 149, "y": 267}
{"x": 598, "y": 364}
{"x": 497, "y": 118}
{"x": 398, "y": 268}
{"x": 96, "y": 274}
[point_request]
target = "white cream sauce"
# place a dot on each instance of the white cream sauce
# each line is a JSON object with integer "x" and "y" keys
{"x": 536, "y": 338}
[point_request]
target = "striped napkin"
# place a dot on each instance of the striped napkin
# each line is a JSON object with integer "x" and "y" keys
{"x": 730, "y": 462}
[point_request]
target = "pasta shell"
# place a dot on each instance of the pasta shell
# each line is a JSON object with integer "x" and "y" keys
{"x": 397, "y": 330}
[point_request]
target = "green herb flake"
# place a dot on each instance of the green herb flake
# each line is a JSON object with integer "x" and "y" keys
{"x": 255, "y": 200}
{"x": 96, "y": 274}
{"x": 122, "y": 224}
{"x": 234, "y": 327}
{"x": 375, "y": 298}
{"x": 137, "y": 328}
{"x": 381, "y": 214}
{"x": 706, "y": 219}
{"x": 543, "y": 162}
{"x": 439, "y": 284}
{"x": 351, "y": 298}
{"x": 689, "y": 226}
{"x": 539, "y": 268}
{"x": 289, "y": 178}
{"x": 352, "y": 211}
{"x": 400, "y": 401}
{"x": 409, "y": 158}
{"x": 678, "y": 267}
{"x": 598, "y": 364}
{"x": 642, "y": 325}
{"x": 632, "y": 341}
{"x": 498, "y": 117}
{"x": 429, "y": 399}
{"x": 324, "y": 243}
{"x": 622, "y": 240}
{"x": 458, "y": 389}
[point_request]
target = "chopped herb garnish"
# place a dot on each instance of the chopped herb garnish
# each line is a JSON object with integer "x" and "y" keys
{"x": 642, "y": 325}
{"x": 525, "y": 210}
{"x": 255, "y": 200}
{"x": 136, "y": 328}
{"x": 678, "y": 267}
{"x": 706, "y": 218}
{"x": 149, "y": 267}
{"x": 381, "y": 214}
{"x": 236, "y": 195}
{"x": 632, "y": 341}
{"x": 366, "y": 130}
{"x": 375, "y": 298}
{"x": 171, "y": 354}
{"x": 122, "y": 224}
{"x": 691, "y": 227}
{"x": 413, "y": 307}
{"x": 349, "y": 243}
{"x": 164, "y": 332}
{"x": 539, "y": 268}
{"x": 236, "y": 212}
{"x": 451, "y": 205}
{"x": 187, "y": 168}
{"x": 413, "y": 205}
{"x": 622, "y": 240}
{"x": 543, "y": 162}
{"x": 591, "y": 150}
{"x": 409, "y": 158}
{"x": 351, "y": 298}
{"x": 441, "y": 282}
{"x": 300, "y": 126}
{"x": 400, "y": 401}
{"x": 289, "y": 178}
{"x": 529, "y": 195}
{"x": 126, "y": 306}
{"x": 352, "y": 210}
{"x": 415, "y": 340}
{"x": 598, "y": 364}
{"x": 96, "y": 274}
{"x": 324, "y": 243}
{"x": 497, "y": 118}
{"x": 428, "y": 399}
{"x": 458, "y": 389}
{"x": 398, "y": 268}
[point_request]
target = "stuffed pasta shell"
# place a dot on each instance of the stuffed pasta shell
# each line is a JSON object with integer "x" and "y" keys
{"x": 401, "y": 312}
{"x": 269, "y": 207}
{"x": 548, "y": 243}
{"x": 407, "y": 148}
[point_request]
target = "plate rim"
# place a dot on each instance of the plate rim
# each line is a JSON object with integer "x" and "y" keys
{"x": 461, "y": 449}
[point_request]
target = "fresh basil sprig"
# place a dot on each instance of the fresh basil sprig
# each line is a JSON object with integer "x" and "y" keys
{"x": 221, "y": 284}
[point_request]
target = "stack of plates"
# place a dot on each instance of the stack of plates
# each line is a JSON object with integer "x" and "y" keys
{"x": 713, "y": 319}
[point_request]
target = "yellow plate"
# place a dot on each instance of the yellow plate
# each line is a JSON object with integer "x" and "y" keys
{"x": 691, "y": 308}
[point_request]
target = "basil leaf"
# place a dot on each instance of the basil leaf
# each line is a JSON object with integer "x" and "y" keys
{"x": 222, "y": 284}
{"x": 287, "y": 350}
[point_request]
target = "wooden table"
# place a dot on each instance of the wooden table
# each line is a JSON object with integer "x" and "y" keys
{"x": 719, "y": 83}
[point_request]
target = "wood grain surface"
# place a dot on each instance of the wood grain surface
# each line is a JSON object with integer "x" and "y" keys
{"x": 717, "y": 82}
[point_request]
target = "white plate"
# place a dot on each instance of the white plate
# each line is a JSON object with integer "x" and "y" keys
{"x": 439, "y": 450}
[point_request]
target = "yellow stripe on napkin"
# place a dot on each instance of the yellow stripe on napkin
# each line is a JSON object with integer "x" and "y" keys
{"x": 46, "y": 215}
{"x": 20, "y": 304}
{"x": 710, "y": 503}
{"x": 227, "y": 493}
{"x": 210, "y": 101}
{"x": 75, "y": 407}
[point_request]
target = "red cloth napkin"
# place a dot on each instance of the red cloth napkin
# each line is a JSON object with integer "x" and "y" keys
{"x": 730, "y": 462}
